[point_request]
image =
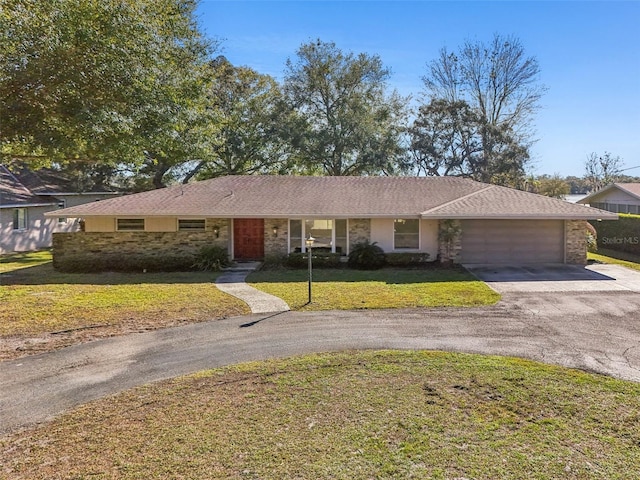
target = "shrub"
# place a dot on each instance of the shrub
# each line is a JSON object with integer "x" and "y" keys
{"x": 319, "y": 259}
{"x": 622, "y": 235}
{"x": 93, "y": 263}
{"x": 408, "y": 259}
{"x": 211, "y": 258}
{"x": 274, "y": 262}
{"x": 367, "y": 256}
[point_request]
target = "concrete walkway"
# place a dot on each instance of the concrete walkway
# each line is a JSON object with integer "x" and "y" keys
{"x": 232, "y": 282}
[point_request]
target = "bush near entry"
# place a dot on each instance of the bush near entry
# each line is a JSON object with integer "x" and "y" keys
{"x": 622, "y": 235}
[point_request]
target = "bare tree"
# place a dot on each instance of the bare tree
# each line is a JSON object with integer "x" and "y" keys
{"x": 601, "y": 170}
{"x": 501, "y": 85}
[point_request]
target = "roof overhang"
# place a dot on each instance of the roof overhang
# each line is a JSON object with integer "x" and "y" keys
{"x": 26, "y": 205}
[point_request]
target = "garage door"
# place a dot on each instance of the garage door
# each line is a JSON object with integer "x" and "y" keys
{"x": 512, "y": 241}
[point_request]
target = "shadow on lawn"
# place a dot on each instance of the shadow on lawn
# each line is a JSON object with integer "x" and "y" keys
{"x": 386, "y": 275}
{"x": 45, "y": 274}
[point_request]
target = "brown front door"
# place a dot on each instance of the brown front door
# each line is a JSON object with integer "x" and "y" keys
{"x": 248, "y": 238}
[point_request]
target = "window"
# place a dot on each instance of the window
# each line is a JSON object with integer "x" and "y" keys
{"x": 62, "y": 204}
{"x": 328, "y": 234}
{"x": 295, "y": 236}
{"x": 191, "y": 225}
{"x": 321, "y": 230}
{"x": 20, "y": 219}
{"x": 406, "y": 234}
{"x": 130, "y": 224}
{"x": 341, "y": 236}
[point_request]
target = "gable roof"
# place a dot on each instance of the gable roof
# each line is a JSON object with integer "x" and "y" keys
{"x": 339, "y": 197}
{"x": 632, "y": 189}
{"x": 48, "y": 181}
{"x": 13, "y": 193}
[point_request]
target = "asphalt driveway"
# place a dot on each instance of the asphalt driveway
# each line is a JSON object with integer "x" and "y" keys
{"x": 558, "y": 278}
{"x": 593, "y": 331}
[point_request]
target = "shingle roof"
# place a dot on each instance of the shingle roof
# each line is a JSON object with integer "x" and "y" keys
{"x": 632, "y": 189}
{"x": 48, "y": 181}
{"x": 14, "y": 193}
{"x": 500, "y": 203}
{"x": 354, "y": 197}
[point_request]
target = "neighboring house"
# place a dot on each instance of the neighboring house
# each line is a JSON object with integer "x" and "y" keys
{"x": 617, "y": 197}
{"x": 258, "y": 216}
{"x": 25, "y": 196}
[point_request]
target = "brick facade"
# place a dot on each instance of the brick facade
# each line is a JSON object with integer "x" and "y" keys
{"x": 275, "y": 244}
{"x": 575, "y": 242}
{"x": 153, "y": 245}
{"x": 449, "y": 241}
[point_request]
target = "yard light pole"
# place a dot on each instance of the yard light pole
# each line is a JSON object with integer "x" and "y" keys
{"x": 309, "y": 243}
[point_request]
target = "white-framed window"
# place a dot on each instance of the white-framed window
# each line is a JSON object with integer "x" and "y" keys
{"x": 191, "y": 225}
{"x": 130, "y": 224}
{"x": 62, "y": 204}
{"x": 329, "y": 234}
{"x": 20, "y": 219}
{"x": 406, "y": 234}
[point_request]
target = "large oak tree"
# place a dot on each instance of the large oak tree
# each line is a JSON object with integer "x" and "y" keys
{"x": 102, "y": 80}
{"x": 345, "y": 122}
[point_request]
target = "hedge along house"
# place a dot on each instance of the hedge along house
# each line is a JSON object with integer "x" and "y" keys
{"x": 252, "y": 217}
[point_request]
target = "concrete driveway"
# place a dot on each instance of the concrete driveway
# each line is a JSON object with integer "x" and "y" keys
{"x": 558, "y": 278}
{"x": 593, "y": 331}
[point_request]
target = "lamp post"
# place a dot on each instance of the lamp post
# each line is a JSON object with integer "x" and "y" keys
{"x": 309, "y": 243}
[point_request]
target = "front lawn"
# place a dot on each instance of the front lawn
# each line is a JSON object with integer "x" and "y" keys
{"x": 351, "y": 416}
{"x": 346, "y": 289}
{"x": 616, "y": 258}
{"x": 36, "y": 300}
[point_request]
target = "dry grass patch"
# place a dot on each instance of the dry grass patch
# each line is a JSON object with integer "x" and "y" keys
{"x": 41, "y": 308}
{"x": 357, "y": 415}
{"x": 386, "y": 288}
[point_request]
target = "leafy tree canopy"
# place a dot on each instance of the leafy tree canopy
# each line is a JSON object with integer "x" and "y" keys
{"x": 99, "y": 80}
{"x": 344, "y": 121}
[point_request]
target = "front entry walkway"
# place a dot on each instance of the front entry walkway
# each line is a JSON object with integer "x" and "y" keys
{"x": 232, "y": 282}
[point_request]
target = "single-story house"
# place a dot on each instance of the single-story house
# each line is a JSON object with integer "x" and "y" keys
{"x": 25, "y": 197}
{"x": 252, "y": 217}
{"x": 617, "y": 197}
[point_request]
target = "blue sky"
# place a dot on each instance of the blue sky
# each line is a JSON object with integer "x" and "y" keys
{"x": 589, "y": 55}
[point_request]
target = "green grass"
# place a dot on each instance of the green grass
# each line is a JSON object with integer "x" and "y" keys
{"x": 616, "y": 258}
{"x": 16, "y": 261}
{"x": 386, "y": 288}
{"x": 36, "y": 299}
{"x": 357, "y": 415}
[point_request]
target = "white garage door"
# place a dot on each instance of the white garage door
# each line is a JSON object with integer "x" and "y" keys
{"x": 512, "y": 241}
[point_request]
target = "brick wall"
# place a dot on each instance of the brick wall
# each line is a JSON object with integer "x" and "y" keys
{"x": 575, "y": 242}
{"x": 449, "y": 240}
{"x": 276, "y": 244}
{"x": 88, "y": 246}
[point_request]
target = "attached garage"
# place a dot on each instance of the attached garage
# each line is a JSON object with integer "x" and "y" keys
{"x": 512, "y": 241}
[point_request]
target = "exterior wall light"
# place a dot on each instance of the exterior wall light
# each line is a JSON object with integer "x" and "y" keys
{"x": 216, "y": 231}
{"x": 275, "y": 230}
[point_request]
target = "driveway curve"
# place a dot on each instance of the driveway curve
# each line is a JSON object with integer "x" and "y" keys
{"x": 599, "y": 332}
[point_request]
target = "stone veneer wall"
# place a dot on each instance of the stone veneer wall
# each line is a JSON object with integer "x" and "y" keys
{"x": 275, "y": 245}
{"x": 359, "y": 230}
{"x": 575, "y": 235}
{"x": 449, "y": 251}
{"x": 154, "y": 245}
